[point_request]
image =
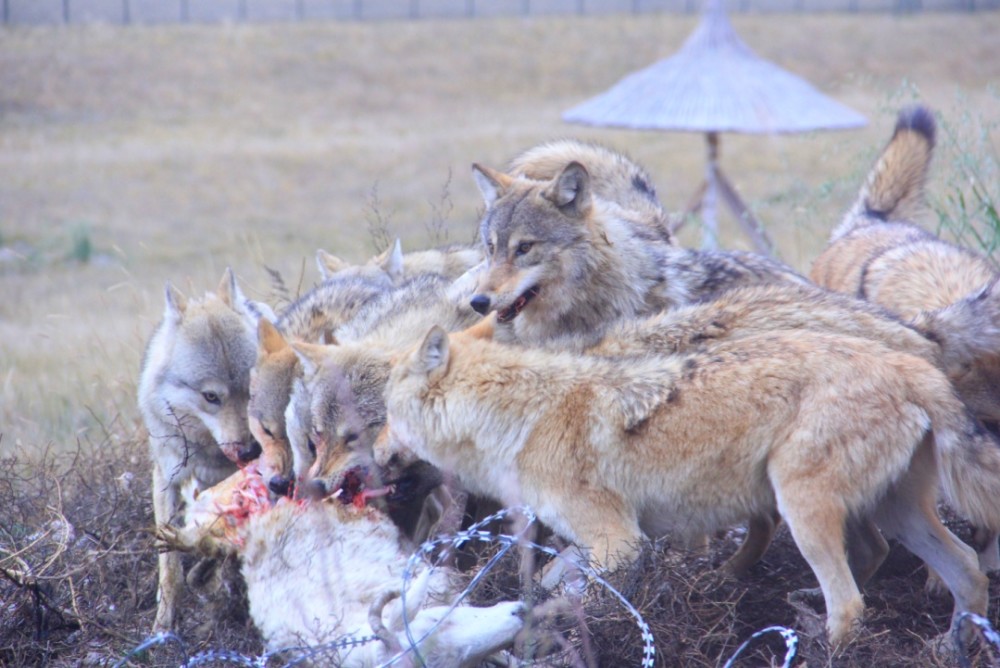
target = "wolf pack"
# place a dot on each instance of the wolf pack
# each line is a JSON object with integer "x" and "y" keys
{"x": 578, "y": 361}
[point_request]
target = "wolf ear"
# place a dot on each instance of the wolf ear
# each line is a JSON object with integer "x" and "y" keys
{"x": 391, "y": 261}
{"x": 176, "y": 303}
{"x": 492, "y": 184}
{"x": 269, "y": 338}
{"x": 310, "y": 356}
{"x": 570, "y": 191}
{"x": 328, "y": 264}
{"x": 433, "y": 353}
{"x": 231, "y": 295}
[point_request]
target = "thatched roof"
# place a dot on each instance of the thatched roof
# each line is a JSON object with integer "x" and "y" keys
{"x": 715, "y": 83}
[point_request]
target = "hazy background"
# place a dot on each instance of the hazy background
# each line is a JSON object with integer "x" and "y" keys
{"x": 134, "y": 155}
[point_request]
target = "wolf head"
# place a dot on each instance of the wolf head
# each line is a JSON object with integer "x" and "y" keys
{"x": 270, "y": 389}
{"x": 345, "y": 384}
{"x": 968, "y": 332}
{"x": 196, "y": 375}
{"x": 534, "y": 233}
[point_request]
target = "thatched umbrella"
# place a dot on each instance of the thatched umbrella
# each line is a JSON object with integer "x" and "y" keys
{"x": 714, "y": 84}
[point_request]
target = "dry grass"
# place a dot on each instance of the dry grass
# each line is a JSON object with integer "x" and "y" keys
{"x": 175, "y": 151}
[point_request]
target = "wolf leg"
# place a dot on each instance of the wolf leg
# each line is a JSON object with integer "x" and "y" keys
{"x": 909, "y": 514}
{"x": 760, "y": 532}
{"x": 170, "y": 570}
{"x": 817, "y": 523}
{"x": 867, "y": 548}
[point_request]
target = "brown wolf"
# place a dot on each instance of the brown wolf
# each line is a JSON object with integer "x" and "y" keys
{"x": 838, "y": 434}
{"x": 571, "y": 253}
{"x": 948, "y": 292}
{"x": 193, "y": 392}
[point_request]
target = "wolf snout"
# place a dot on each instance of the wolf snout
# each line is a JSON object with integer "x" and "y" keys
{"x": 280, "y": 485}
{"x": 480, "y": 304}
{"x": 247, "y": 452}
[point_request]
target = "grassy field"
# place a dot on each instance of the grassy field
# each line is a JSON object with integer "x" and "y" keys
{"x": 133, "y": 156}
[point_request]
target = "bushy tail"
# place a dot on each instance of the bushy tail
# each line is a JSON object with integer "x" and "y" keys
{"x": 894, "y": 188}
{"x": 968, "y": 455}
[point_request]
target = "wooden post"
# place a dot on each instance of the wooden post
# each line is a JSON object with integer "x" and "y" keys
{"x": 710, "y": 225}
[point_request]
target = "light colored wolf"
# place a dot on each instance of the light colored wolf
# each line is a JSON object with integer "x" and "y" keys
{"x": 450, "y": 261}
{"x": 839, "y": 434}
{"x": 193, "y": 392}
{"x": 948, "y": 292}
{"x": 571, "y": 253}
{"x": 324, "y": 571}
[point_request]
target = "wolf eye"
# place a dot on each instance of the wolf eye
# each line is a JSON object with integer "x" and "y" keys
{"x": 312, "y": 447}
{"x": 523, "y": 247}
{"x": 267, "y": 432}
{"x": 490, "y": 247}
{"x": 212, "y": 398}
{"x": 350, "y": 437}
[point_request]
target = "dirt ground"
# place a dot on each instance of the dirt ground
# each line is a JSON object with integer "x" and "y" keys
{"x": 133, "y": 156}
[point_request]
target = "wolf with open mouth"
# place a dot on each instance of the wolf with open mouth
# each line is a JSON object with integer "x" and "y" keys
{"x": 575, "y": 240}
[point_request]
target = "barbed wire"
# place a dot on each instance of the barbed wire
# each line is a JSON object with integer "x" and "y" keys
{"x": 986, "y": 630}
{"x": 790, "y": 637}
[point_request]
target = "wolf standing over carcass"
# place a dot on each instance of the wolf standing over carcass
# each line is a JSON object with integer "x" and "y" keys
{"x": 193, "y": 392}
{"x": 948, "y": 292}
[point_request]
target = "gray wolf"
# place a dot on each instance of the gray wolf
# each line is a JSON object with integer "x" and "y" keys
{"x": 571, "y": 253}
{"x": 948, "y": 292}
{"x": 344, "y": 384}
{"x": 384, "y": 319}
{"x": 839, "y": 435}
{"x": 449, "y": 261}
{"x": 315, "y": 317}
{"x": 317, "y": 572}
{"x": 193, "y": 392}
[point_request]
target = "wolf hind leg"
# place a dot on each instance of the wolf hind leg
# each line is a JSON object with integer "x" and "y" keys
{"x": 818, "y": 523}
{"x": 909, "y": 514}
{"x": 760, "y": 533}
{"x": 867, "y": 548}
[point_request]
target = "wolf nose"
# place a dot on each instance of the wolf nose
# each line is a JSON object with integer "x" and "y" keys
{"x": 248, "y": 452}
{"x": 480, "y": 304}
{"x": 279, "y": 484}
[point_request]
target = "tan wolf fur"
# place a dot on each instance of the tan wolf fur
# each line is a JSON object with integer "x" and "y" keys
{"x": 948, "y": 292}
{"x": 571, "y": 253}
{"x": 193, "y": 392}
{"x": 317, "y": 572}
{"x": 449, "y": 261}
{"x": 742, "y": 312}
{"x": 829, "y": 430}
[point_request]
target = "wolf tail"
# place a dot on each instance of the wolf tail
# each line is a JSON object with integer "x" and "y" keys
{"x": 968, "y": 457}
{"x": 894, "y": 188}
